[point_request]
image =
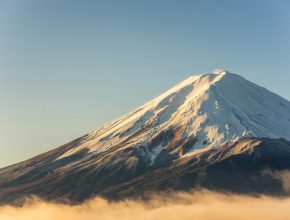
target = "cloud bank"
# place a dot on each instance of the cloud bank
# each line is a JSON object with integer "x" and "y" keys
{"x": 184, "y": 206}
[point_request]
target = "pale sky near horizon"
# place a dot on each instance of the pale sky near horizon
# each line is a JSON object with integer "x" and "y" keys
{"x": 68, "y": 66}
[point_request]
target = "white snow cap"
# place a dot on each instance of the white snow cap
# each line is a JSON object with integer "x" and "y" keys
{"x": 214, "y": 108}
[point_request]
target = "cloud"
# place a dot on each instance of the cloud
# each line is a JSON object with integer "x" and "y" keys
{"x": 218, "y": 71}
{"x": 283, "y": 176}
{"x": 202, "y": 205}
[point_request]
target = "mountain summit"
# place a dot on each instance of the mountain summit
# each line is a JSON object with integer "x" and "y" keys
{"x": 179, "y": 140}
{"x": 210, "y": 110}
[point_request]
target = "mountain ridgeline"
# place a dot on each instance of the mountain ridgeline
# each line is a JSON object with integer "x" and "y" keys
{"x": 215, "y": 131}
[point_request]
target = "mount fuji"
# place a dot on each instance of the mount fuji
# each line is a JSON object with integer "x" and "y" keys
{"x": 216, "y": 131}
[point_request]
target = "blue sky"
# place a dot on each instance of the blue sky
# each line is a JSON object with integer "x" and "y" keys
{"x": 67, "y": 67}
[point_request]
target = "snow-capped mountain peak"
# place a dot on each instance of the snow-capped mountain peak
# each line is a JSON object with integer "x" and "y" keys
{"x": 205, "y": 110}
{"x": 205, "y": 129}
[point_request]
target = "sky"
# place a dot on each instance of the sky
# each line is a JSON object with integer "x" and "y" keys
{"x": 67, "y": 66}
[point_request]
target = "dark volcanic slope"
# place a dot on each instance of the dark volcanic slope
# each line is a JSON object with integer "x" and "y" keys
{"x": 246, "y": 166}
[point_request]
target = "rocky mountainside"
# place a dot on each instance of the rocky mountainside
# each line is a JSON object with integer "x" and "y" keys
{"x": 218, "y": 131}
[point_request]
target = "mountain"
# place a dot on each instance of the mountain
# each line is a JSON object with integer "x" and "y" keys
{"x": 218, "y": 131}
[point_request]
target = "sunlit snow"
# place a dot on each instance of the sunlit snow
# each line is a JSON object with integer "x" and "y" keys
{"x": 213, "y": 108}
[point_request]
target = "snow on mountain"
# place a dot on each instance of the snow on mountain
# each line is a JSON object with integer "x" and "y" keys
{"x": 207, "y": 110}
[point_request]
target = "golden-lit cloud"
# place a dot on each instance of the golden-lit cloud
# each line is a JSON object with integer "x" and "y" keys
{"x": 184, "y": 206}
